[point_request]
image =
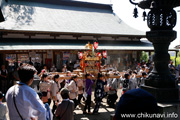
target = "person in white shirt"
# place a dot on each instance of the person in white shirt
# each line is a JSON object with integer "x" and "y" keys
{"x": 112, "y": 93}
{"x": 133, "y": 81}
{"x": 72, "y": 87}
{"x": 143, "y": 69}
{"x": 55, "y": 88}
{"x": 53, "y": 69}
{"x": 80, "y": 90}
{"x": 22, "y": 101}
{"x": 45, "y": 86}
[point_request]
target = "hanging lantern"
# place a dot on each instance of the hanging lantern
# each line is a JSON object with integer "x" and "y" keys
{"x": 80, "y": 55}
{"x": 104, "y": 54}
{"x": 135, "y": 12}
{"x": 95, "y": 45}
{"x": 98, "y": 54}
{"x": 144, "y": 15}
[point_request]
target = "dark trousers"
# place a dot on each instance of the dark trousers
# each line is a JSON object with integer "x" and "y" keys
{"x": 79, "y": 98}
{"x": 75, "y": 102}
{"x": 88, "y": 103}
{"x": 54, "y": 107}
{"x": 49, "y": 101}
{"x": 3, "y": 85}
{"x": 111, "y": 99}
{"x": 97, "y": 106}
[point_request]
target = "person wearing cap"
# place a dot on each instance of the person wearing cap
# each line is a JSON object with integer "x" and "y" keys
{"x": 22, "y": 101}
{"x": 65, "y": 109}
{"x": 136, "y": 101}
{"x": 3, "y": 108}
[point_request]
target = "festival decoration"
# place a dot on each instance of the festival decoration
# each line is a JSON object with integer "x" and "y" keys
{"x": 104, "y": 54}
{"x": 80, "y": 55}
{"x": 90, "y": 59}
{"x": 95, "y": 45}
{"x": 99, "y": 54}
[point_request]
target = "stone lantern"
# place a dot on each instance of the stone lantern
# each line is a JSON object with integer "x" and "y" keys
{"x": 161, "y": 20}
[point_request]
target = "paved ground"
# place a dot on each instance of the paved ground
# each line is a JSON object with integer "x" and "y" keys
{"x": 104, "y": 111}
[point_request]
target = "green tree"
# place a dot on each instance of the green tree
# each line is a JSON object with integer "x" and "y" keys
{"x": 177, "y": 59}
{"x": 144, "y": 56}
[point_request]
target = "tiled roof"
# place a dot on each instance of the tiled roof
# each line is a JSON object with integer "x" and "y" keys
{"x": 63, "y": 16}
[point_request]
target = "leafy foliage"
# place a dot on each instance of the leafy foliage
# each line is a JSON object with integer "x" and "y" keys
{"x": 177, "y": 59}
{"x": 144, "y": 56}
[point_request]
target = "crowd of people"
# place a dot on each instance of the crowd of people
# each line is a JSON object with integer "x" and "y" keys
{"x": 26, "y": 100}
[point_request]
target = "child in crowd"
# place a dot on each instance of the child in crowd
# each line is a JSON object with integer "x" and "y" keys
{"x": 3, "y": 108}
{"x": 49, "y": 115}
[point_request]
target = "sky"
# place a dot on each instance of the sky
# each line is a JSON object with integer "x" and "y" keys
{"x": 124, "y": 9}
